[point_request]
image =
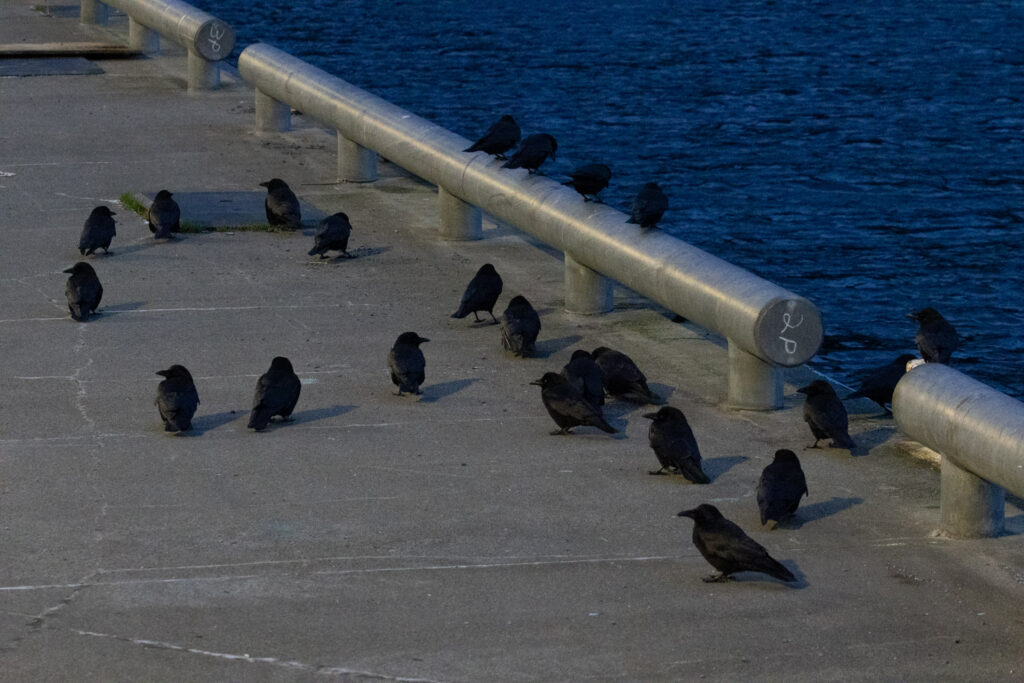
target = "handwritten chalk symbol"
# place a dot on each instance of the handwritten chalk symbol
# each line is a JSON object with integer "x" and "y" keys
{"x": 217, "y": 32}
{"x": 790, "y": 344}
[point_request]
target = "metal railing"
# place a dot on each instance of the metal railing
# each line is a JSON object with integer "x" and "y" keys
{"x": 207, "y": 38}
{"x": 767, "y": 327}
{"x": 980, "y": 434}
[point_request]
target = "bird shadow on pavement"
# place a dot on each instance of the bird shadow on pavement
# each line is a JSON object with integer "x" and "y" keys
{"x": 353, "y": 254}
{"x": 123, "y": 307}
{"x": 204, "y": 423}
{"x": 320, "y": 413}
{"x": 753, "y": 578}
{"x": 549, "y": 347}
{"x": 435, "y": 392}
{"x": 149, "y": 243}
{"x": 866, "y": 441}
{"x": 662, "y": 391}
{"x": 816, "y": 511}
{"x": 716, "y": 467}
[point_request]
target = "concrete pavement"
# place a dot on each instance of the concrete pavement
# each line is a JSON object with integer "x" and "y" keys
{"x": 449, "y": 538}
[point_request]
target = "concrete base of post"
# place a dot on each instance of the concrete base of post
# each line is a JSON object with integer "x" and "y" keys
{"x": 272, "y": 116}
{"x": 202, "y": 74}
{"x": 143, "y": 38}
{"x": 753, "y": 383}
{"x": 587, "y": 292}
{"x": 459, "y": 221}
{"x": 93, "y": 12}
{"x": 356, "y": 164}
{"x": 969, "y": 506}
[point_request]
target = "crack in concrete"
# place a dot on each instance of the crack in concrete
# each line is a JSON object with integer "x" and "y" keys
{"x": 250, "y": 659}
{"x": 36, "y": 622}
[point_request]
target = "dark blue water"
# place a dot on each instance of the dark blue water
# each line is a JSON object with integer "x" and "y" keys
{"x": 867, "y": 155}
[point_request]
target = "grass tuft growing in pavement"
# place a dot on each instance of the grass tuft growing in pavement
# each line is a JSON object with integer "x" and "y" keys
{"x": 132, "y": 203}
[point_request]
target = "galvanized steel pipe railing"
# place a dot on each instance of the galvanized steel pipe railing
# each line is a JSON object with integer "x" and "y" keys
{"x": 767, "y": 327}
{"x": 980, "y": 434}
{"x": 207, "y": 38}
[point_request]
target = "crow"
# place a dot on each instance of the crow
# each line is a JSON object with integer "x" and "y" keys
{"x": 780, "y": 488}
{"x": 520, "y": 326}
{"x": 282, "y": 205}
{"x": 277, "y": 392}
{"x": 728, "y": 549}
{"x": 675, "y": 446}
{"x": 332, "y": 235}
{"x": 499, "y": 138}
{"x": 481, "y": 293}
{"x": 176, "y": 399}
{"x": 407, "y": 364}
{"x": 83, "y": 291}
{"x": 936, "y": 338}
{"x": 649, "y": 206}
{"x": 881, "y": 382}
{"x": 97, "y": 231}
{"x": 589, "y": 180}
{"x": 533, "y": 152}
{"x": 582, "y": 371}
{"x": 164, "y": 216}
{"x": 567, "y": 406}
{"x": 826, "y": 415}
{"x": 622, "y": 378}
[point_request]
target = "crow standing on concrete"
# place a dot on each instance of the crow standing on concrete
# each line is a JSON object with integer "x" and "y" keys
{"x": 582, "y": 371}
{"x": 332, "y": 234}
{"x": 97, "y": 231}
{"x": 499, "y": 138}
{"x": 176, "y": 399}
{"x": 880, "y": 384}
{"x": 728, "y": 549}
{"x": 407, "y": 364}
{"x": 622, "y": 378}
{"x": 83, "y": 290}
{"x": 533, "y": 152}
{"x": 936, "y": 338}
{"x": 481, "y": 294}
{"x": 164, "y": 216}
{"x": 780, "y": 488}
{"x": 649, "y": 206}
{"x": 589, "y": 180}
{"x": 674, "y": 445}
{"x": 282, "y": 205}
{"x": 520, "y": 326}
{"x": 826, "y": 415}
{"x": 277, "y": 392}
{"x": 567, "y": 406}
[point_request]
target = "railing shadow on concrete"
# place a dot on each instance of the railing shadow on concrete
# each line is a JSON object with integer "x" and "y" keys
{"x": 767, "y": 327}
{"x": 207, "y": 39}
{"x": 978, "y": 431}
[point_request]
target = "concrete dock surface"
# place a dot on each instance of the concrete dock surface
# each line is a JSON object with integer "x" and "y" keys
{"x": 446, "y": 537}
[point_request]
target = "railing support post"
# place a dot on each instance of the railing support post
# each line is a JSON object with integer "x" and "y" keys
{"x": 142, "y": 38}
{"x": 753, "y": 383}
{"x": 460, "y": 221}
{"x": 356, "y": 164}
{"x": 587, "y": 291}
{"x": 202, "y": 74}
{"x": 969, "y": 506}
{"x": 272, "y": 116}
{"x": 93, "y": 12}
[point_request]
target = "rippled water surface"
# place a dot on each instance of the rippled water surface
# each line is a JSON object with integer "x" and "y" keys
{"x": 867, "y": 155}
